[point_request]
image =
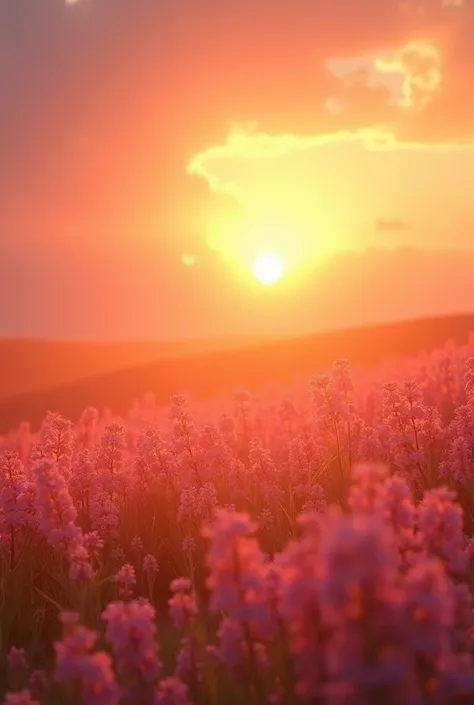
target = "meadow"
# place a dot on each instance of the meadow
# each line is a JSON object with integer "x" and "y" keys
{"x": 307, "y": 545}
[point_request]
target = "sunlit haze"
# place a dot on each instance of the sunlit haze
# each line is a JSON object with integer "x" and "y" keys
{"x": 237, "y": 352}
{"x": 152, "y": 151}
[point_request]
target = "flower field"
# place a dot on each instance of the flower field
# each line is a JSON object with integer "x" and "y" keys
{"x": 309, "y": 545}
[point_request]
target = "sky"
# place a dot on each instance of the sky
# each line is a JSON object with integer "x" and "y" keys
{"x": 150, "y": 150}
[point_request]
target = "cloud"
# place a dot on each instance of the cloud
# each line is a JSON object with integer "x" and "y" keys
{"x": 155, "y": 87}
{"x": 318, "y": 194}
{"x": 418, "y": 63}
{"x": 419, "y": 85}
{"x": 386, "y": 84}
{"x": 247, "y": 142}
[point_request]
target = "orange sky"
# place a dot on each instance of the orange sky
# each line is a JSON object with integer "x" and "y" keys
{"x": 150, "y": 150}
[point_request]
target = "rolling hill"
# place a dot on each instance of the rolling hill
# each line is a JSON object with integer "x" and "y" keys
{"x": 34, "y": 365}
{"x": 208, "y": 372}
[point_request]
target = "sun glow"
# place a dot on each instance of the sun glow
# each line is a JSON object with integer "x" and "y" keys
{"x": 268, "y": 268}
{"x": 263, "y": 249}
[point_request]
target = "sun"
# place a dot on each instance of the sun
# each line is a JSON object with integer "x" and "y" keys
{"x": 268, "y": 268}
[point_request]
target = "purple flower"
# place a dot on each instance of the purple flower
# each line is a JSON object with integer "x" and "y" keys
{"x": 182, "y": 605}
{"x": 16, "y": 659}
{"x": 362, "y": 607}
{"x": 126, "y": 580}
{"x": 137, "y": 545}
{"x": 189, "y": 544}
{"x": 238, "y": 578}
{"x": 430, "y": 606}
{"x": 38, "y": 683}
{"x": 23, "y": 697}
{"x": 171, "y": 691}
{"x": 12, "y": 485}
{"x": 55, "y": 507}
{"x": 440, "y": 521}
{"x": 104, "y": 515}
{"x": 93, "y": 543}
{"x": 79, "y": 563}
{"x": 57, "y": 438}
{"x": 131, "y": 632}
{"x": 150, "y": 564}
{"x": 76, "y": 663}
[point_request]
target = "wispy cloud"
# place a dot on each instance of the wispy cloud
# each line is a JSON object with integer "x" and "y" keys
{"x": 419, "y": 66}
{"x": 328, "y": 189}
{"x": 411, "y": 73}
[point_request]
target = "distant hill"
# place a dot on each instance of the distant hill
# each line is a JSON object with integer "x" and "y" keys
{"x": 33, "y": 365}
{"x": 208, "y": 372}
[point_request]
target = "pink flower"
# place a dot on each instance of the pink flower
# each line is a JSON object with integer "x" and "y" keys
{"x": 231, "y": 649}
{"x": 189, "y": 667}
{"x": 104, "y": 515}
{"x": 23, "y": 697}
{"x": 57, "y": 438}
{"x": 332, "y": 411}
{"x": 180, "y": 585}
{"x": 362, "y": 608}
{"x": 71, "y": 652}
{"x": 469, "y": 379}
{"x": 131, "y": 632}
{"x": 183, "y": 608}
{"x": 55, "y": 507}
{"x": 137, "y": 545}
{"x": 111, "y": 459}
{"x": 16, "y": 659}
{"x": 189, "y": 544}
{"x": 395, "y": 506}
{"x": 214, "y": 451}
{"x": 150, "y": 564}
{"x": 198, "y": 504}
{"x": 430, "y": 607}
{"x": 459, "y": 463}
{"x": 118, "y": 554}
{"x": 405, "y": 418}
{"x": 266, "y": 520}
{"x": 183, "y": 425}
{"x": 93, "y": 543}
{"x": 76, "y": 663}
{"x": 469, "y": 549}
{"x": 126, "y": 580}
{"x": 262, "y": 467}
{"x": 368, "y": 480}
{"x": 238, "y": 574}
{"x": 314, "y": 497}
{"x": 12, "y": 489}
{"x": 369, "y": 445}
{"x": 79, "y": 563}
{"x": 38, "y": 683}
{"x": 83, "y": 480}
{"x": 171, "y": 691}
{"x": 236, "y": 650}
{"x": 440, "y": 520}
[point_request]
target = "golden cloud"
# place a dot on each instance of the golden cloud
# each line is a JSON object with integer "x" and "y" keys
{"x": 419, "y": 65}
{"x": 313, "y": 195}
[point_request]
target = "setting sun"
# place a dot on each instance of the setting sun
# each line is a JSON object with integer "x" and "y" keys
{"x": 268, "y": 269}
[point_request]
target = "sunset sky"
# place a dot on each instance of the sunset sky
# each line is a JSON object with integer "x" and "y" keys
{"x": 150, "y": 150}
